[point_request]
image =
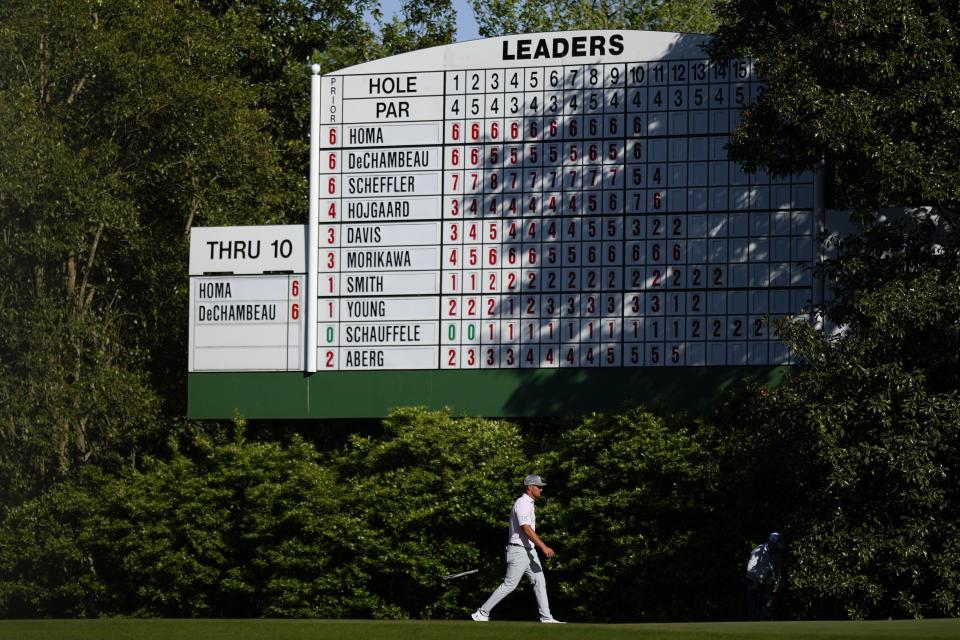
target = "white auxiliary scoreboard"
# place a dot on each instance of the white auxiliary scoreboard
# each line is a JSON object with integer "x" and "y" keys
{"x": 550, "y": 200}
{"x": 247, "y": 292}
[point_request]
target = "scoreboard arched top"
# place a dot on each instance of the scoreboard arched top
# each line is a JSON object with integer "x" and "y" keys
{"x": 543, "y": 49}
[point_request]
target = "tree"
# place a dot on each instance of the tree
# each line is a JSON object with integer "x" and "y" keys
{"x": 855, "y": 460}
{"x": 869, "y": 88}
{"x": 857, "y": 452}
{"x": 424, "y": 23}
{"x": 504, "y": 17}
{"x": 122, "y": 125}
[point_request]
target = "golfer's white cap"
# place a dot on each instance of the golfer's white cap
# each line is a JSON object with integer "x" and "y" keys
{"x": 774, "y": 537}
{"x": 534, "y": 479}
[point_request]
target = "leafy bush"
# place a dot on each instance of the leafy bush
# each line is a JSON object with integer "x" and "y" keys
{"x": 433, "y": 493}
{"x": 239, "y": 528}
{"x": 631, "y": 514}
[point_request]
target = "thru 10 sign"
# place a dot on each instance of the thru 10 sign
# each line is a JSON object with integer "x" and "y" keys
{"x": 552, "y": 200}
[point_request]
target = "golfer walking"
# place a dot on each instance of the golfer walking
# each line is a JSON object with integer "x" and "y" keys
{"x": 522, "y": 558}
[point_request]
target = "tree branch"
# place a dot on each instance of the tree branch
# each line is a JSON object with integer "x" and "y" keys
{"x": 82, "y": 299}
{"x": 77, "y": 88}
{"x": 71, "y": 282}
{"x": 195, "y": 203}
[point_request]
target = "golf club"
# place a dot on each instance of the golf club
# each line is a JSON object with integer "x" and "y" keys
{"x": 454, "y": 576}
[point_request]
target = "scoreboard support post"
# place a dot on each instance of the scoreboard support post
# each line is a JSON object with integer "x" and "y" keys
{"x": 314, "y": 223}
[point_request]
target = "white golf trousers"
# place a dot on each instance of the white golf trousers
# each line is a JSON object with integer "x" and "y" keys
{"x": 520, "y": 561}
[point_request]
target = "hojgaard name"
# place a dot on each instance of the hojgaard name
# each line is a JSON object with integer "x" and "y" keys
{"x": 563, "y": 47}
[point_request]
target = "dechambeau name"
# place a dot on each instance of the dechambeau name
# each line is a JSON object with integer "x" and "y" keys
{"x": 237, "y": 312}
{"x": 397, "y": 159}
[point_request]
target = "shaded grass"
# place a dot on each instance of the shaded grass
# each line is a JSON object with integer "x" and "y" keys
{"x": 167, "y": 629}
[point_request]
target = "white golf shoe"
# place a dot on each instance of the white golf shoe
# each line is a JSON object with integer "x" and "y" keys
{"x": 479, "y": 616}
{"x": 551, "y": 621}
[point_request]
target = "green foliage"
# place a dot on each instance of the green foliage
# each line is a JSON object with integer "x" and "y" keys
{"x": 46, "y": 563}
{"x": 121, "y": 127}
{"x": 650, "y": 516}
{"x": 68, "y": 402}
{"x": 630, "y": 516}
{"x": 123, "y": 124}
{"x": 229, "y": 527}
{"x": 234, "y": 529}
{"x": 856, "y": 455}
{"x": 505, "y": 17}
{"x": 897, "y": 294}
{"x": 857, "y": 460}
{"x": 424, "y": 23}
{"x": 872, "y": 87}
{"x": 433, "y": 493}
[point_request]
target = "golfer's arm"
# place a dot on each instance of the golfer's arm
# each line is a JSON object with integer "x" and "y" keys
{"x": 532, "y": 535}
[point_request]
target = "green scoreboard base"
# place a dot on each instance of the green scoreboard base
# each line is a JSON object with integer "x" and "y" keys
{"x": 499, "y": 392}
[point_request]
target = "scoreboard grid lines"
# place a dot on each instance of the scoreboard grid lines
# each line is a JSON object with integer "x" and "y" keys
{"x": 683, "y": 164}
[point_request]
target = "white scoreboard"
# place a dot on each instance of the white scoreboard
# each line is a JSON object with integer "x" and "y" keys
{"x": 247, "y": 292}
{"x": 551, "y": 200}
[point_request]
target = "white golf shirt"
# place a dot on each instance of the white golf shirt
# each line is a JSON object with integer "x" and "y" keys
{"x": 521, "y": 514}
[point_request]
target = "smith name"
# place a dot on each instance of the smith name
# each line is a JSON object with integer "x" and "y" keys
{"x": 364, "y": 284}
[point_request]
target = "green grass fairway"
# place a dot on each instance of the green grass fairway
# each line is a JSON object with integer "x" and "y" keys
{"x": 126, "y": 629}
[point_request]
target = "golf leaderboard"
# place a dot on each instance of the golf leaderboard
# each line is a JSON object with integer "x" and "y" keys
{"x": 555, "y": 201}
